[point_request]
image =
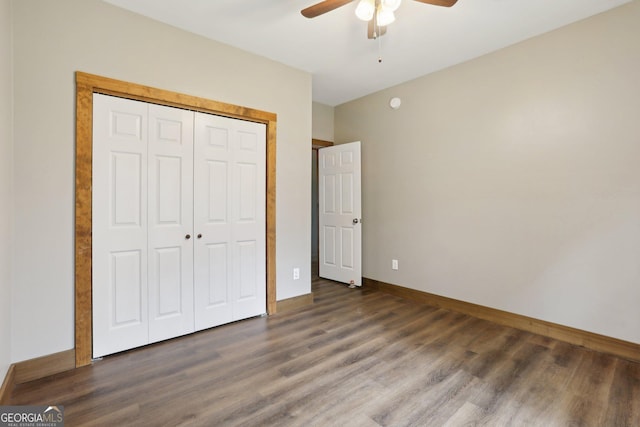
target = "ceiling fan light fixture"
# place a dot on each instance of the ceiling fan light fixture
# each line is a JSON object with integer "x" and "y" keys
{"x": 385, "y": 16}
{"x": 391, "y": 5}
{"x": 365, "y": 10}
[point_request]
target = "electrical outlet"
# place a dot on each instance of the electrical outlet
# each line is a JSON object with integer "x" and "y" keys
{"x": 394, "y": 264}
{"x": 296, "y": 273}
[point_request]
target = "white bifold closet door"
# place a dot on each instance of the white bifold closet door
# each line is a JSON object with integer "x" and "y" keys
{"x": 230, "y": 206}
{"x": 178, "y": 222}
{"x": 119, "y": 225}
{"x": 170, "y": 222}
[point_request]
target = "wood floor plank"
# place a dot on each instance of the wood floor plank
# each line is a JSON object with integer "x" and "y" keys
{"x": 356, "y": 357}
{"x": 624, "y": 396}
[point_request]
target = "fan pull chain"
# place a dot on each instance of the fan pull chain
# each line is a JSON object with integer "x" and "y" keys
{"x": 379, "y": 47}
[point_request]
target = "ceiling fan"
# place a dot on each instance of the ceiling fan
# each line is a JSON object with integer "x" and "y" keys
{"x": 379, "y": 13}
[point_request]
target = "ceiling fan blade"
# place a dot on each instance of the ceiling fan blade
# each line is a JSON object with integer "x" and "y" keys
{"x": 445, "y": 3}
{"x": 371, "y": 28}
{"x": 323, "y": 7}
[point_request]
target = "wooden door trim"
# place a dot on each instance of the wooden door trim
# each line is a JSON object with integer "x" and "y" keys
{"x": 319, "y": 143}
{"x": 86, "y": 86}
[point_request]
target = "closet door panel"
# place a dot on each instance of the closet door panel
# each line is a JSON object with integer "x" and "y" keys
{"x": 213, "y": 262}
{"x": 119, "y": 221}
{"x": 212, "y": 303}
{"x": 126, "y": 288}
{"x": 249, "y": 219}
{"x": 229, "y": 212}
{"x": 170, "y": 229}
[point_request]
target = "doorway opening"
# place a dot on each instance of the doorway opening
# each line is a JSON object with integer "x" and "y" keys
{"x": 316, "y": 144}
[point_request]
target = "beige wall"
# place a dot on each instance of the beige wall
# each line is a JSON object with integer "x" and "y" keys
{"x": 512, "y": 180}
{"x": 322, "y": 121}
{"x": 6, "y": 198}
{"x": 52, "y": 41}
{"x": 322, "y": 128}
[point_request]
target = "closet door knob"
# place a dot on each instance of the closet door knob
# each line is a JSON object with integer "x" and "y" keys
{"x": 188, "y": 236}
{"x": 199, "y": 236}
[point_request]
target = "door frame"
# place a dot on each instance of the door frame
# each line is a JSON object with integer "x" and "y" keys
{"x": 86, "y": 86}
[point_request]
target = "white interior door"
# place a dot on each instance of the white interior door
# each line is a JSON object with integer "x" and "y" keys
{"x": 229, "y": 217}
{"x": 170, "y": 222}
{"x": 119, "y": 275}
{"x": 340, "y": 213}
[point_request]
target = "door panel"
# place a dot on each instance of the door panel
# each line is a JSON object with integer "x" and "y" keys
{"x": 329, "y": 245}
{"x": 217, "y": 182}
{"x": 329, "y": 194}
{"x": 126, "y": 189}
{"x": 212, "y": 276}
{"x": 247, "y": 267}
{"x": 126, "y": 289}
{"x": 229, "y": 214}
{"x": 218, "y": 277}
{"x": 168, "y": 189}
{"x": 347, "y": 238}
{"x": 169, "y": 301}
{"x": 247, "y": 181}
{"x": 119, "y": 221}
{"x": 170, "y": 211}
{"x": 249, "y": 220}
{"x": 340, "y": 213}
{"x": 346, "y": 205}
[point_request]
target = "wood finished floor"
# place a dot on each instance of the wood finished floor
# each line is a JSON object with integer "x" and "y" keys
{"x": 354, "y": 358}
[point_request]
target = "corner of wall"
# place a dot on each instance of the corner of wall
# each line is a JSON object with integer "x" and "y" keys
{"x": 322, "y": 122}
{"x": 6, "y": 184}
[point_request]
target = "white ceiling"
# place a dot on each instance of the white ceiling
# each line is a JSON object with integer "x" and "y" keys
{"x": 334, "y": 47}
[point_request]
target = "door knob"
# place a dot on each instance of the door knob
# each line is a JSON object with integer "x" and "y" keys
{"x": 355, "y": 220}
{"x": 199, "y": 236}
{"x": 188, "y": 236}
